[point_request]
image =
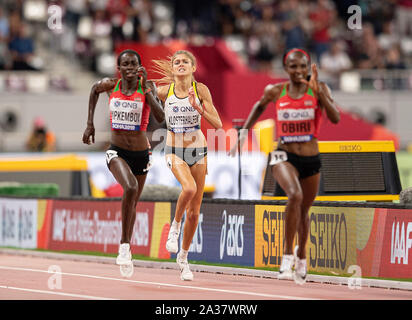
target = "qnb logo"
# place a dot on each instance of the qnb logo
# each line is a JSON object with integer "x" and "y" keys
{"x": 117, "y": 103}
{"x": 401, "y": 242}
{"x": 187, "y": 109}
{"x": 130, "y": 104}
{"x": 175, "y": 109}
{"x": 290, "y": 114}
{"x": 231, "y": 236}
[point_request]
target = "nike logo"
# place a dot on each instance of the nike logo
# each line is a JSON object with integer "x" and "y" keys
{"x": 202, "y": 153}
{"x": 171, "y": 103}
{"x": 283, "y": 104}
{"x": 110, "y": 154}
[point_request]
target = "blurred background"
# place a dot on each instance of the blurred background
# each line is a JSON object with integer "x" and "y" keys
{"x": 51, "y": 53}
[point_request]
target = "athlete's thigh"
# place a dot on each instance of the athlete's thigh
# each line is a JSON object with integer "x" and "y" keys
{"x": 141, "y": 179}
{"x": 287, "y": 177}
{"x": 310, "y": 187}
{"x": 121, "y": 172}
{"x": 180, "y": 170}
{"x": 198, "y": 171}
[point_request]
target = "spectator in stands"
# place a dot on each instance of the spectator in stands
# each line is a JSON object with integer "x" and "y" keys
{"x": 41, "y": 139}
{"x": 334, "y": 62}
{"x": 101, "y": 24}
{"x": 322, "y": 16}
{"x": 369, "y": 54}
{"x": 141, "y": 14}
{"x": 265, "y": 42}
{"x": 404, "y": 17}
{"x": 393, "y": 59}
{"x": 294, "y": 36}
{"x": 118, "y": 11}
{"x": 5, "y": 62}
{"x": 74, "y": 10}
{"x": 4, "y": 25}
{"x": 197, "y": 16}
{"x": 5, "y": 59}
{"x": 226, "y": 17}
{"x": 21, "y": 48}
{"x": 377, "y": 12}
{"x": 15, "y": 22}
{"x": 388, "y": 38}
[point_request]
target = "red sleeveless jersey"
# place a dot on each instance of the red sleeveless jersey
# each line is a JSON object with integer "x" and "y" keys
{"x": 128, "y": 112}
{"x": 297, "y": 120}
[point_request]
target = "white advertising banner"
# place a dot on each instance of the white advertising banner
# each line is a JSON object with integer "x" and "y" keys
{"x": 18, "y": 223}
{"x": 223, "y": 172}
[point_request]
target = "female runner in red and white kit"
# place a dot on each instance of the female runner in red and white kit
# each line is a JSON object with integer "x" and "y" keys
{"x": 131, "y": 99}
{"x": 296, "y": 162}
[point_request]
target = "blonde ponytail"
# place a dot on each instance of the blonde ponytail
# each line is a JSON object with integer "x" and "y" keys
{"x": 164, "y": 69}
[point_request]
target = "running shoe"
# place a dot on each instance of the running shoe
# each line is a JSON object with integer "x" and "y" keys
{"x": 300, "y": 268}
{"x": 126, "y": 270}
{"x": 185, "y": 273}
{"x": 285, "y": 270}
{"x": 172, "y": 240}
{"x": 125, "y": 255}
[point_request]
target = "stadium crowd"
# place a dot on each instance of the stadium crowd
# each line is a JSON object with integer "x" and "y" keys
{"x": 263, "y": 29}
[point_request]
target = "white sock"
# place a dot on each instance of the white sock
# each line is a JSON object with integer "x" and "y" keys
{"x": 176, "y": 224}
{"x": 302, "y": 262}
{"x": 183, "y": 254}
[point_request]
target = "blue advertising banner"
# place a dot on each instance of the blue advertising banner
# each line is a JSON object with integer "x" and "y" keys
{"x": 225, "y": 234}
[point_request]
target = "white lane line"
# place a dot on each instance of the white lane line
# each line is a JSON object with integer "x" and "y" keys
{"x": 167, "y": 284}
{"x": 73, "y": 295}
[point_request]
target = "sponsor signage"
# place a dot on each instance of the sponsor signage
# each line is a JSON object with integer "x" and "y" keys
{"x": 161, "y": 227}
{"x": 18, "y": 223}
{"x": 269, "y": 235}
{"x": 396, "y": 259}
{"x": 225, "y": 234}
{"x": 97, "y": 226}
{"x": 332, "y": 239}
{"x": 331, "y": 244}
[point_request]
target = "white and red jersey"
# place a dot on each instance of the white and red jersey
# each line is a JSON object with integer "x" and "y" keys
{"x": 128, "y": 112}
{"x": 297, "y": 120}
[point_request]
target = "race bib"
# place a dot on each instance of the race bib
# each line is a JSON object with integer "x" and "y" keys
{"x": 125, "y": 114}
{"x": 277, "y": 156}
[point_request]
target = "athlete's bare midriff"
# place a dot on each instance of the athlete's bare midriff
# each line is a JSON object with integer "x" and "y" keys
{"x": 129, "y": 140}
{"x": 193, "y": 139}
{"x": 309, "y": 148}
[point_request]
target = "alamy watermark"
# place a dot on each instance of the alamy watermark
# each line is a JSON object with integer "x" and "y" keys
{"x": 54, "y": 22}
{"x": 355, "y": 20}
{"x": 55, "y": 280}
{"x": 355, "y": 281}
